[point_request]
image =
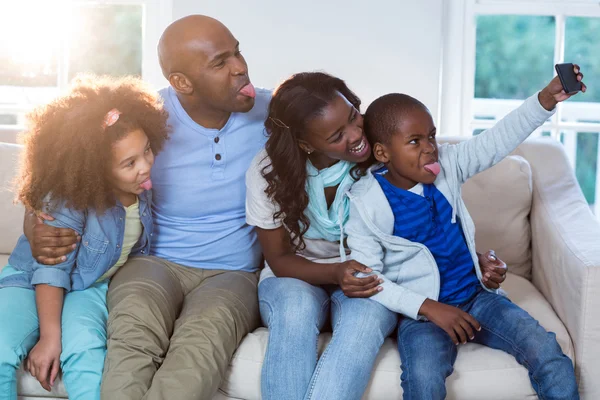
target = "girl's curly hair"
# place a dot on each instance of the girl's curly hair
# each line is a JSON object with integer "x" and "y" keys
{"x": 295, "y": 103}
{"x": 68, "y": 152}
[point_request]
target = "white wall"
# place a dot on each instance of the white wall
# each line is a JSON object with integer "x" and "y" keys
{"x": 379, "y": 46}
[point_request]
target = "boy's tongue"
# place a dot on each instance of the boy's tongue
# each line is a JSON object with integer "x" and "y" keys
{"x": 146, "y": 185}
{"x": 434, "y": 168}
{"x": 248, "y": 91}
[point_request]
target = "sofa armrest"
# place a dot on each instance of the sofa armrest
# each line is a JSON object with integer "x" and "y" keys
{"x": 566, "y": 255}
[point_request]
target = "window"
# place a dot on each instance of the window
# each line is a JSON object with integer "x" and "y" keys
{"x": 509, "y": 53}
{"x": 51, "y": 42}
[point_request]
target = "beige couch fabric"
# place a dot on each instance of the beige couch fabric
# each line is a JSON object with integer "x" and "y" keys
{"x": 478, "y": 369}
{"x": 11, "y": 215}
{"x": 499, "y": 200}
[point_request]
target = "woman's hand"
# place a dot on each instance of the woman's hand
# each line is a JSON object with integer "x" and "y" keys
{"x": 43, "y": 361}
{"x": 554, "y": 92}
{"x": 493, "y": 270}
{"x": 352, "y": 286}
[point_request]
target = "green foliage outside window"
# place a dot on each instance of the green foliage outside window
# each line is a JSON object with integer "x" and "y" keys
{"x": 515, "y": 58}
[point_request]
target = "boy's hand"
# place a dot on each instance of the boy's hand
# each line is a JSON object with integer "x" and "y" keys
{"x": 554, "y": 93}
{"x": 493, "y": 270}
{"x": 43, "y": 361}
{"x": 459, "y": 325}
{"x": 353, "y": 286}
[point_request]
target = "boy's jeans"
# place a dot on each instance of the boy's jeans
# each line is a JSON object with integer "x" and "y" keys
{"x": 428, "y": 354}
{"x": 295, "y": 311}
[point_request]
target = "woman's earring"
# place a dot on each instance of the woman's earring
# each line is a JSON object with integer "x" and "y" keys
{"x": 309, "y": 151}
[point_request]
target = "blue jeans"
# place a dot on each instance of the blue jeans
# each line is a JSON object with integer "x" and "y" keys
{"x": 295, "y": 311}
{"x": 84, "y": 317}
{"x": 428, "y": 354}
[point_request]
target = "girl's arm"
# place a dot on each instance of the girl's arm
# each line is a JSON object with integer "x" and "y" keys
{"x": 286, "y": 263}
{"x": 51, "y": 282}
{"x": 49, "y": 301}
{"x": 43, "y": 361}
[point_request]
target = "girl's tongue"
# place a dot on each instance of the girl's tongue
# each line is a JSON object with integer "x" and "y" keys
{"x": 434, "y": 168}
{"x": 146, "y": 185}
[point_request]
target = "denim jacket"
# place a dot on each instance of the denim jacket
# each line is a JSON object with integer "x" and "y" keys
{"x": 98, "y": 250}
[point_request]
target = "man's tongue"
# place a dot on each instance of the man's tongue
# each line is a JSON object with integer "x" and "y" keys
{"x": 434, "y": 168}
{"x": 248, "y": 91}
{"x": 146, "y": 185}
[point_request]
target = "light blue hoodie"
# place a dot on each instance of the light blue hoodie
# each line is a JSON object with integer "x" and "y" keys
{"x": 408, "y": 269}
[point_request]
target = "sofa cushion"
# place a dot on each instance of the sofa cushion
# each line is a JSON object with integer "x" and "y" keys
{"x": 499, "y": 200}
{"x": 478, "y": 369}
{"x": 11, "y": 214}
{"x": 29, "y": 386}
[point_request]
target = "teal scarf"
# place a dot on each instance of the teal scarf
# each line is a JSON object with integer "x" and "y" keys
{"x": 326, "y": 224}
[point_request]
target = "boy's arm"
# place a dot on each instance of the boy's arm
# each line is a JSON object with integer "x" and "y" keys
{"x": 367, "y": 250}
{"x": 494, "y": 144}
{"x": 459, "y": 325}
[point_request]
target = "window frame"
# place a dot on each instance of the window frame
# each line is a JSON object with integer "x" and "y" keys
{"x": 157, "y": 15}
{"x": 459, "y": 59}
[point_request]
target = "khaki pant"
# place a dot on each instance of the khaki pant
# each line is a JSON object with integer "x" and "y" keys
{"x": 173, "y": 329}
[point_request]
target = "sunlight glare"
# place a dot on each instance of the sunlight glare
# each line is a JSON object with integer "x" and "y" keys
{"x": 31, "y": 30}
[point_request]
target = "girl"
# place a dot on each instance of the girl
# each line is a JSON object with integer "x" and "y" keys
{"x": 87, "y": 160}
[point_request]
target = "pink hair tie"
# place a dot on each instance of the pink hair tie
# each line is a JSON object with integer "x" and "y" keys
{"x": 111, "y": 118}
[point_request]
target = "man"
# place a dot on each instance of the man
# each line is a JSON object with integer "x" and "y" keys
{"x": 177, "y": 316}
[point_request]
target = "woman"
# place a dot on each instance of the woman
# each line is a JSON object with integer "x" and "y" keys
{"x": 295, "y": 196}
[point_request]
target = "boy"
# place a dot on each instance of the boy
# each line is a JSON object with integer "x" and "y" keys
{"x": 409, "y": 224}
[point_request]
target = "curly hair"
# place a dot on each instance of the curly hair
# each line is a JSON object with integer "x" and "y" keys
{"x": 68, "y": 152}
{"x": 295, "y": 103}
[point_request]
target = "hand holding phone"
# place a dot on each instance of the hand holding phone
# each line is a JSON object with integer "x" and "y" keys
{"x": 568, "y": 78}
{"x": 561, "y": 87}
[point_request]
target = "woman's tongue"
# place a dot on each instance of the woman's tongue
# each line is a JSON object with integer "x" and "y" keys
{"x": 248, "y": 91}
{"x": 434, "y": 168}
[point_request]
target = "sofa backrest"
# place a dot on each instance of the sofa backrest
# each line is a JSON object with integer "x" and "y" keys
{"x": 11, "y": 215}
{"x": 498, "y": 199}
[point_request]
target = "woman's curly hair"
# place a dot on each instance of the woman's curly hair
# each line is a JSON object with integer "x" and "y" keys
{"x": 295, "y": 103}
{"x": 68, "y": 152}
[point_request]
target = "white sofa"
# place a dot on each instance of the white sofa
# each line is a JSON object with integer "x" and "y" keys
{"x": 531, "y": 211}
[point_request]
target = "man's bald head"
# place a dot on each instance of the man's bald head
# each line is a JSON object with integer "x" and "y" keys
{"x": 185, "y": 37}
{"x": 201, "y": 59}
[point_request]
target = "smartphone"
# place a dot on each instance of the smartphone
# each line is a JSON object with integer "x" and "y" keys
{"x": 568, "y": 78}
